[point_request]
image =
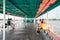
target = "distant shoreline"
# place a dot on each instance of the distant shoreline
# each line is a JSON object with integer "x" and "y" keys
{"x": 45, "y": 19}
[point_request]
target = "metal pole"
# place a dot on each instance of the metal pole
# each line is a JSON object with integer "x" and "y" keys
{"x": 47, "y": 15}
{"x": 57, "y": 14}
{"x": 3, "y": 19}
{"x": 14, "y": 18}
{"x": 25, "y": 22}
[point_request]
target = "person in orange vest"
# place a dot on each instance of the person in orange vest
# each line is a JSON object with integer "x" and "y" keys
{"x": 44, "y": 25}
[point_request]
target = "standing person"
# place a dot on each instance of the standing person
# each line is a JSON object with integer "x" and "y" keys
{"x": 10, "y": 24}
{"x": 38, "y": 29}
{"x": 38, "y": 22}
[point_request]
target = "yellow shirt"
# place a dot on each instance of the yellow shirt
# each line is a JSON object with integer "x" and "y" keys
{"x": 44, "y": 26}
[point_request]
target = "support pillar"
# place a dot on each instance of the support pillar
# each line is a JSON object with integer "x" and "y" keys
{"x": 25, "y": 21}
{"x": 3, "y": 19}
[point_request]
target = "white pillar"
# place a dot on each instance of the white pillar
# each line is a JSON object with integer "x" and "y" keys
{"x": 14, "y": 18}
{"x": 25, "y": 20}
{"x": 47, "y": 15}
{"x": 4, "y": 20}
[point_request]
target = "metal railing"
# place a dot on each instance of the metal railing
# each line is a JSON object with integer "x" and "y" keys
{"x": 55, "y": 29}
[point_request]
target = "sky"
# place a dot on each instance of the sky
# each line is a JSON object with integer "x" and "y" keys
{"x": 55, "y": 13}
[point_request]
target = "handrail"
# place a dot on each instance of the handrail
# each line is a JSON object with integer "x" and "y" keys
{"x": 53, "y": 35}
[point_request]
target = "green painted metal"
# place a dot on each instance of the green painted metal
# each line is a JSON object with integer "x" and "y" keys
{"x": 11, "y": 8}
{"x": 24, "y": 8}
{"x": 29, "y": 7}
{"x": 1, "y": 6}
{"x": 30, "y": 21}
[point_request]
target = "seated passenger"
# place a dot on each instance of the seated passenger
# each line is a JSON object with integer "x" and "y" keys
{"x": 44, "y": 25}
{"x": 38, "y": 30}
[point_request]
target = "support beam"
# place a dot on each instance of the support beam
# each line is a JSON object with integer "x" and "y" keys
{"x": 42, "y": 9}
{"x": 51, "y": 7}
{"x": 3, "y": 19}
{"x": 19, "y": 8}
{"x": 42, "y": 5}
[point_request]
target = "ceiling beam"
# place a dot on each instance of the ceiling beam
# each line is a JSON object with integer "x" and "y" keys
{"x": 19, "y": 8}
{"x": 46, "y": 6}
{"x": 50, "y": 8}
{"x": 42, "y": 5}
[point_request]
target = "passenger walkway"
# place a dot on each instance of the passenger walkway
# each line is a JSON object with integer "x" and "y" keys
{"x": 27, "y": 33}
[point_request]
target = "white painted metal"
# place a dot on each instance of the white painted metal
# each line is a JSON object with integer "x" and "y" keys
{"x": 3, "y": 19}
